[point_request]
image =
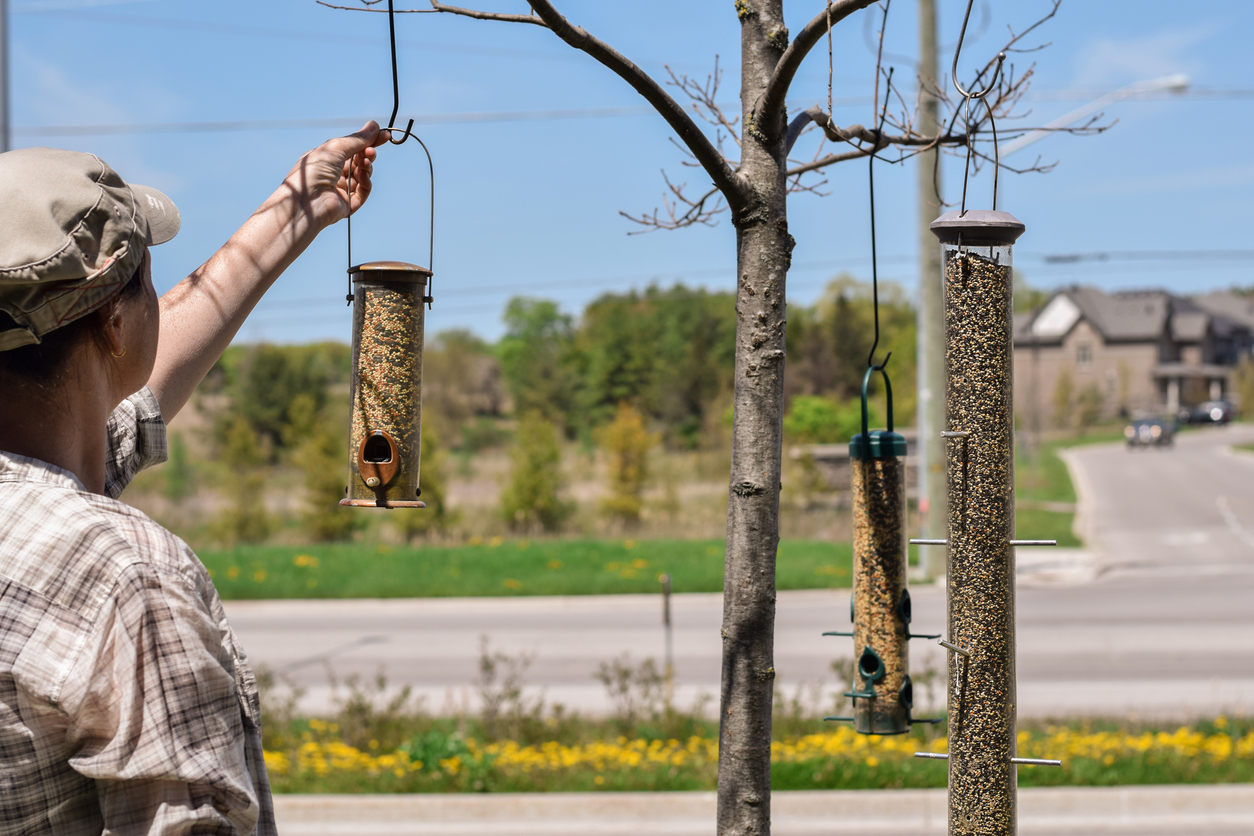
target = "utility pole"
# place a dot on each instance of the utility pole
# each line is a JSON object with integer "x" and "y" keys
{"x": 6, "y": 130}
{"x": 931, "y": 327}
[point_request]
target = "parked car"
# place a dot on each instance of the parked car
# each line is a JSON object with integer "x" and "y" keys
{"x": 1210, "y": 412}
{"x": 1150, "y": 432}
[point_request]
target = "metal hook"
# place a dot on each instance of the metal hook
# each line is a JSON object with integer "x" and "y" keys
{"x": 406, "y": 135}
{"x": 396, "y": 86}
{"x": 1001, "y": 58}
{"x": 875, "y": 283}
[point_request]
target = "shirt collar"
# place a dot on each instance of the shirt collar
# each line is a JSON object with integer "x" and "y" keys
{"x": 15, "y": 468}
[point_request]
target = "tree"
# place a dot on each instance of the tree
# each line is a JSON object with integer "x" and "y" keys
{"x": 436, "y": 516}
{"x": 627, "y": 444}
{"x": 244, "y": 518}
{"x": 535, "y": 358}
{"x": 532, "y": 501}
{"x": 1063, "y": 399}
{"x": 1089, "y": 407}
{"x": 317, "y": 443}
{"x": 754, "y": 190}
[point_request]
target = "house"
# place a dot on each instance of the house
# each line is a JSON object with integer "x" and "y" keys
{"x": 1126, "y": 352}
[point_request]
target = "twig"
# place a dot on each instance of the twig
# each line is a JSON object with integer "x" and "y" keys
{"x": 727, "y": 181}
{"x": 438, "y": 7}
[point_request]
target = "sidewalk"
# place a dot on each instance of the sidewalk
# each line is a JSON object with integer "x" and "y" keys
{"x": 1215, "y": 810}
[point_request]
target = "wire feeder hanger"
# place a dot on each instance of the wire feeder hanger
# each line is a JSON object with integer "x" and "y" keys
{"x": 981, "y": 95}
{"x": 405, "y": 136}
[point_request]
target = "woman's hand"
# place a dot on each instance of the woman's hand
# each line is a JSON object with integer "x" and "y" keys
{"x": 201, "y": 314}
{"x": 333, "y": 180}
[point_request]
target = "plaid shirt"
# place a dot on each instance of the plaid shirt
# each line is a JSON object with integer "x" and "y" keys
{"x": 126, "y": 704}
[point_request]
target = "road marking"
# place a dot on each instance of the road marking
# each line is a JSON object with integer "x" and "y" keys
{"x": 1230, "y": 518}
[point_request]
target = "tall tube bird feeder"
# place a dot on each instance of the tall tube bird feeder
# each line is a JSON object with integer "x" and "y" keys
{"x": 976, "y": 251}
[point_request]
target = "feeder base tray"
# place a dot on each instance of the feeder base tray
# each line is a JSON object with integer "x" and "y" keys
{"x": 370, "y": 503}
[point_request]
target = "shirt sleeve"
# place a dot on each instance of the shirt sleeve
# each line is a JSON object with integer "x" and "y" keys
{"x": 155, "y": 718}
{"x": 137, "y": 439}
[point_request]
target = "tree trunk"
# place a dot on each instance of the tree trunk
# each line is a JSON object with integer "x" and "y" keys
{"x": 764, "y": 249}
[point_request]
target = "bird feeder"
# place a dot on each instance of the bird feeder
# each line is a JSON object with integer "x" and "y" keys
{"x": 385, "y": 400}
{"x": 881, "y": 602}
{"x": 385, "y": 446}
{"x": 979, "y": 436}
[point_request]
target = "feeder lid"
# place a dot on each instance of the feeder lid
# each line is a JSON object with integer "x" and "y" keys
{"x": 400, "y": 271}
{"x": 884, "y": 444}
{"x": 978, "y": 226}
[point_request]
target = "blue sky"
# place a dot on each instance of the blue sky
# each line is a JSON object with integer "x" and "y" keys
{"x": 530, "y": 205}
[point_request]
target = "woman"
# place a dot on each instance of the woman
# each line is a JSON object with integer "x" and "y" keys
{"x": 126, "y": 704}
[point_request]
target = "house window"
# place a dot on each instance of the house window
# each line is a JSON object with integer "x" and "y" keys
{"x": 1084, "y": 355}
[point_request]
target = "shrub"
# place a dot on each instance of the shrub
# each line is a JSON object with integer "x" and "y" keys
{"x": 627, "y": 445}
{"x": 531, "y": 501}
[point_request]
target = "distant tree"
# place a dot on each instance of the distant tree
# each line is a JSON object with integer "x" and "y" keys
{"x": 535, "y": 356}
{"x": 1062, "y": 399}
{"x": 244, "y": 518}
{"x": 461, "y": 379}
{"x": 437, "y": 515}
{"x": 1089, "y": 407}
{"x": 263, "y": 381}
{"x": 319, "y": 449}
{"x": 180, "y": 474}
{"x": 532, "y": 500}
{"x": 626, "y": 443}
{"x": 817, "y": 420}
{"x": 828, "y": 344}
{"x": 669, "y": 351}
{"x": 1243, "y": 386}
{"x": 1027, "y": 298}
{"x": 696, "y": 359}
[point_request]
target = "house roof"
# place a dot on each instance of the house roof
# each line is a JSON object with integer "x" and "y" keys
{"x": 1229, "y": 306}
{"x": 1126, "y": 316}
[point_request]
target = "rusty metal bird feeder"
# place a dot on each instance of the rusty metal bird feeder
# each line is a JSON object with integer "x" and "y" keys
{"x": 388, "y": 298}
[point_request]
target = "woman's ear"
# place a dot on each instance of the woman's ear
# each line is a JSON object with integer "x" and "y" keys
{"x": 112, "y": 329}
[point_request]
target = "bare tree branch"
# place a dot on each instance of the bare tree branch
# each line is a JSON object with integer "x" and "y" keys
{"x": 777, "y": 89}
{"x": 436, "y": 8}
{"x": 705, "y": 100}
{"x": 698, "y": 212}
{"x": 715, "y": 164}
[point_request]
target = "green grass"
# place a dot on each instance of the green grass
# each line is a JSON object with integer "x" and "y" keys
{"x": 1042, "y": 477}
{"x": 506, "y": 568}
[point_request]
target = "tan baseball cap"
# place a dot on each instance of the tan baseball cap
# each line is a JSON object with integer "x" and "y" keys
{"x": 72, "y": 233}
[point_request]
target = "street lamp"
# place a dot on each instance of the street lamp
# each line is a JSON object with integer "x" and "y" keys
{"x": 1174, "y": 83}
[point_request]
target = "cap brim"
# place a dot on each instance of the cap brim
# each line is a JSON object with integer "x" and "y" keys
{"x": 163, "y": 216}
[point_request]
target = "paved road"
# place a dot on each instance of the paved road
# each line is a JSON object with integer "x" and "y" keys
{"x": 1154, "y": 621}
{"x": 1126, "y": 811}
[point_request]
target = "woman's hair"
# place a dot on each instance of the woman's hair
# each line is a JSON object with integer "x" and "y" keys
{"x": 44, "y": 362}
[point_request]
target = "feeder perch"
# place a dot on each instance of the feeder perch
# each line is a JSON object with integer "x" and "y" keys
{"x": 386, "y": 398}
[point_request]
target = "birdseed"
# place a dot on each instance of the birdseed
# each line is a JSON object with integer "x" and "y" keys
{"x": 879, "y": 578}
